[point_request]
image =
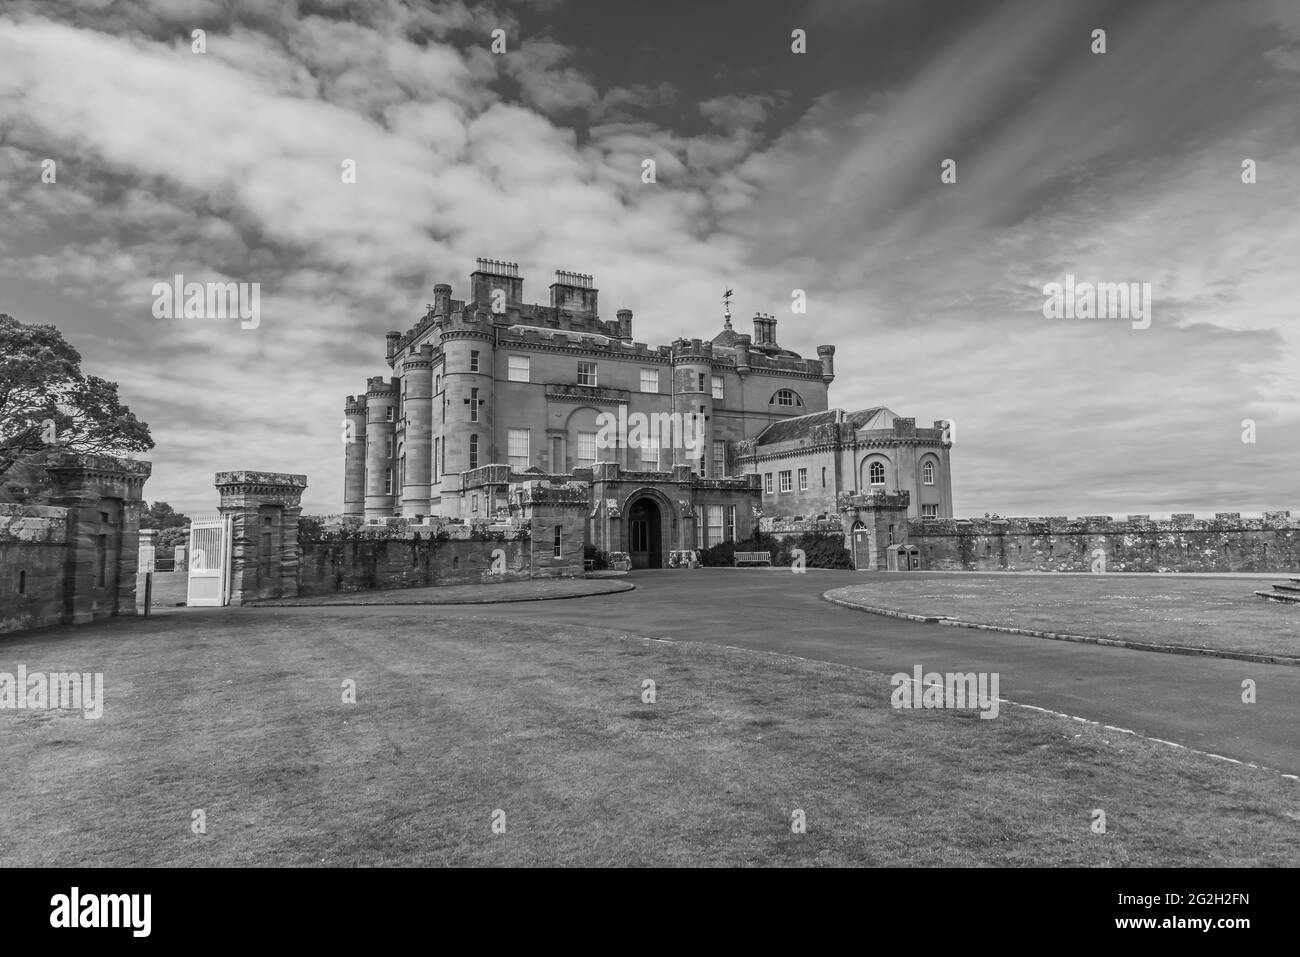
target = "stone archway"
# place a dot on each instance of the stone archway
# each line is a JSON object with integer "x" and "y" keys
{"x": 645, "y": 532}
{"x": 654, "y": 538}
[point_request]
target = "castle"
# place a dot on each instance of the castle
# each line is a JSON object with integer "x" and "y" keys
{"x": 490, "y": 392}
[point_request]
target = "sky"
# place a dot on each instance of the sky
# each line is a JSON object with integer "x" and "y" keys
{"x": 776, "y": 171}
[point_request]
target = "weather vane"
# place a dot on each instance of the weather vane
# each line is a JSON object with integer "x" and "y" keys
{"x": 726, "y": 307}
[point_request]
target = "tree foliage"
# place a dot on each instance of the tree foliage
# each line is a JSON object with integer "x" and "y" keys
{"x": 47, "y": 403}
{"x": 161, "y": 516}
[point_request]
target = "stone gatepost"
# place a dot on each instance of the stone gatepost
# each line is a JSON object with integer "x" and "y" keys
{"x": 263, "y": 508}
{"x": 102, "y": 494}
{"x": 884, "y": 516}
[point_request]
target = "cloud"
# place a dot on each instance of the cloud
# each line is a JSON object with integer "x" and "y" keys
{"x": 1124, "y": 167}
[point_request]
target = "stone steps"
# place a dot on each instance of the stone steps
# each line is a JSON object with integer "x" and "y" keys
{"x": 1287, "y": 593}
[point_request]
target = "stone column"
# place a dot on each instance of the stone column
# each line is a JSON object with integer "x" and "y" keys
{"x": 264, "y": 508}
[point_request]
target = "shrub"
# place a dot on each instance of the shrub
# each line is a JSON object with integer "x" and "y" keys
{"x": 722, "y": 554}
{"x": 599, "y": 560}
{"x": 820, "y": 551}
{"x": 310, "y": 529}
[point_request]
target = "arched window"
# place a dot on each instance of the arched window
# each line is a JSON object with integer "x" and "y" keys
{"x": 927, "y": 473}
{"x": 876, "y": 472}
{"x": 786, "y": 398}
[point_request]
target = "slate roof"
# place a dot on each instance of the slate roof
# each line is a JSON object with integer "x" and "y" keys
{"x": 800, "y": 427}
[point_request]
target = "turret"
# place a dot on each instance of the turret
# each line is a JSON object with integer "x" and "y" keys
{"x": 742, "y": 355}
{"x": 625, "y": 324}
{"x": 354, "y": 457}
{"x": 381, "y": 472}
{"x": 416, "y": 463}
{"x": 442, "y": 299}
{"x": 827, "y": 355}
{"x": 693, "y": 402}
{"x": 391, "y": 340}
{"x": 467, "y": 430}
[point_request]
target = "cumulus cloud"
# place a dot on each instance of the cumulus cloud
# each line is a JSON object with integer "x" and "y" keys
{"x": 1117, "y": 168}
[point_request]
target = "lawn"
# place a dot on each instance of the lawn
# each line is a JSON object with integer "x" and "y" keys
{"x": 1215, "y": 613}
{"x": 238, "y": 712}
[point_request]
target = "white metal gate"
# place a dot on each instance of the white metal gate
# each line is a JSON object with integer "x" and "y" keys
{"x": 209, "y": 558}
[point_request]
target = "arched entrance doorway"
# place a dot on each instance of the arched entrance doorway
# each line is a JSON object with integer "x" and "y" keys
{"x": 861, "y": 540}
{"x": 645, "y": 533}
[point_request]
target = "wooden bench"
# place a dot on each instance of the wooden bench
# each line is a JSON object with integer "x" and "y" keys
{"x": 753, "y": 558}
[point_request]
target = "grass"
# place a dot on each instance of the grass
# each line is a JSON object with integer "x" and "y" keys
{"x": 239, "y": 713}
{"x": 1216, "y": 613}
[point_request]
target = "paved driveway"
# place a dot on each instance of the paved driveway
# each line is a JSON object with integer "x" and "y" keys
{"x": 1191, "y": 700}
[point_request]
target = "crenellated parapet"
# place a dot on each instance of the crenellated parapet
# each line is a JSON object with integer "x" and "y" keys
{"x": 849, "y": 501}
{"x": 568, "y": 494}
{"x": 692, "y": 350}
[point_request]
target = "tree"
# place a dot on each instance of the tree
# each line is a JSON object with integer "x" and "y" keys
{"x": 169, "y": 538}
{"x": 160, "y": 515}
{"x": 47, "y": 403}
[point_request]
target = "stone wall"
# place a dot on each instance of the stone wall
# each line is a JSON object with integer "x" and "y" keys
{"x": 1185, "y": 543}
{"x": 793, "y": 527}
{"x": 413, "y": 557}
{"x": 33, "y": 553}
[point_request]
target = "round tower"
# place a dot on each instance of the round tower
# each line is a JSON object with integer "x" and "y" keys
{"x": 467, "y": 384}
{"x": 354, "y": 457}
{"x": 692, "y": 403}
{"x": 417, "y": 438}
{"x": 381, "y": 470}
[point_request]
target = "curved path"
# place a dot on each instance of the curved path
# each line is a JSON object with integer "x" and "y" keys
{"x": 1194, "y": 701}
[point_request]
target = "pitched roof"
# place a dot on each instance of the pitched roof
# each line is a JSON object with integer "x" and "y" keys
{"x": 801, "y": 426}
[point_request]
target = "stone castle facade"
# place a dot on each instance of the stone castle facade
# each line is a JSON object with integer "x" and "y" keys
{"x": 490, "y": 394}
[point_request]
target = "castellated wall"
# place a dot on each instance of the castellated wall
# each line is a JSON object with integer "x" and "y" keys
{"x": 1185, "y": 543}
{"x": 415, "y": 556}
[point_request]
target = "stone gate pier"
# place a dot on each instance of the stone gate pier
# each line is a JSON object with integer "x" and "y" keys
{"x": 263, "y": 508}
